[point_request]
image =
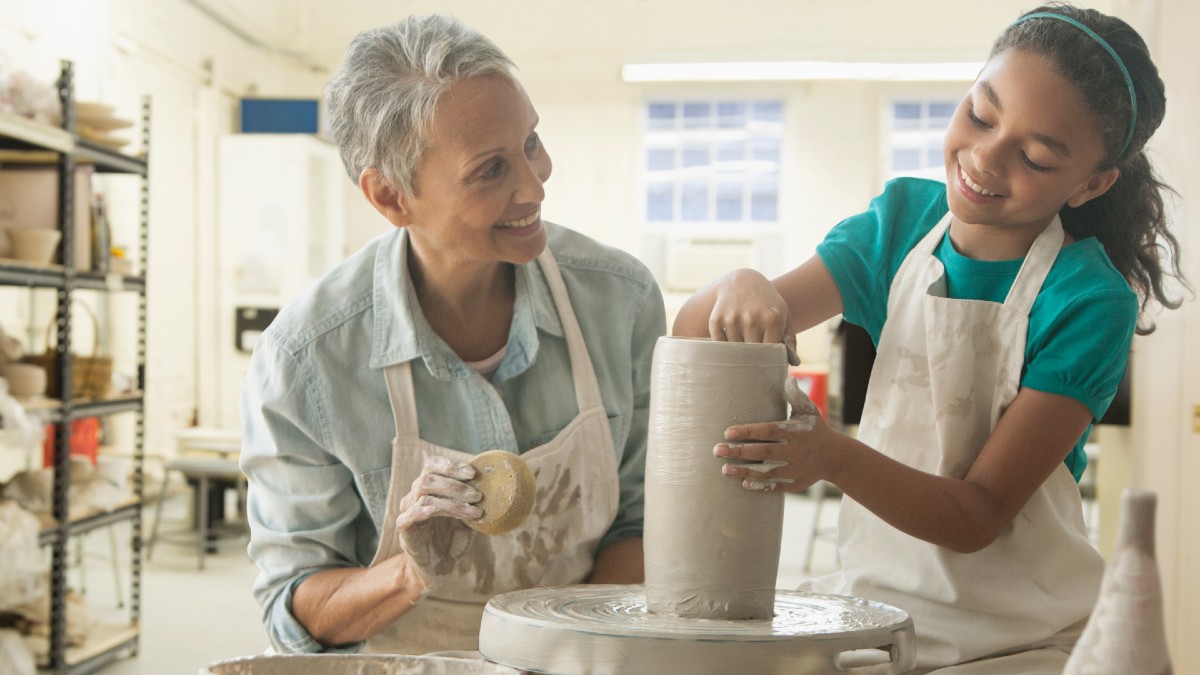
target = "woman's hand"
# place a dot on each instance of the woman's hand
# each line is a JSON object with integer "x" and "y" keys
{"x": 431, "y": 518}
{"x": 790, "y": 455}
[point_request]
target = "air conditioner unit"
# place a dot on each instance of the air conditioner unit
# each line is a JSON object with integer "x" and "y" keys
{"x": 684, "y": 264}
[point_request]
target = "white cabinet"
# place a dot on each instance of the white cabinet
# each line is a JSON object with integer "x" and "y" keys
{"x": 280, "y": 227}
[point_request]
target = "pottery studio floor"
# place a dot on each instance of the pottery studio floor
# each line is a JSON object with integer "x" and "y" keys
{"x": 193, "y": 617}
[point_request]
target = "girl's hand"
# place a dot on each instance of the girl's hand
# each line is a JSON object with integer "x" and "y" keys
{"x": 748, "y": 308}
{"x": 788, "y": 455}
{"x": 431, "y": 514}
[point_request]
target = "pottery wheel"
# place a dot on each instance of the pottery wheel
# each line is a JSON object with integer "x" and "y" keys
{"x": 607, "y": 629}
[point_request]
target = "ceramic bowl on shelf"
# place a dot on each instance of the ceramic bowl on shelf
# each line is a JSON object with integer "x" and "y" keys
{"x": 102, "y": 124}
{"x": 104, "y": 138}
{"x": 33, "y": 489}
{"x": 33, "y": 244}
{"x": 93, "y": 109}
{"x": 25, "y": 380}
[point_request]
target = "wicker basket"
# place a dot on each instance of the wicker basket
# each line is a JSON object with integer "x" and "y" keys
{"x": 91, "y": 376}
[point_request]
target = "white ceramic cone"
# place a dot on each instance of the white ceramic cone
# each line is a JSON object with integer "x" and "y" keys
{"x": 1126, "y": 633}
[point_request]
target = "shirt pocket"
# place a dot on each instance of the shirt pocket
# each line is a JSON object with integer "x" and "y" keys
{"x": 373, "y": 485}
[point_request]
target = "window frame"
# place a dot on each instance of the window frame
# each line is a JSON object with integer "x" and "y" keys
{"x": 711, "y": 137}
{"x": 919, "y": 138}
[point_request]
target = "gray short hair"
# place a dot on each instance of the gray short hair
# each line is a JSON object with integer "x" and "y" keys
{"x": 381, "y": 102}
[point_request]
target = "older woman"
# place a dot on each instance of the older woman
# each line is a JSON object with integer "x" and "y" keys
{"x": 472, "y": 325}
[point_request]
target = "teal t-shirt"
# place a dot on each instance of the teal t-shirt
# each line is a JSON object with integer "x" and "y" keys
{"x": 1080, "y": 326}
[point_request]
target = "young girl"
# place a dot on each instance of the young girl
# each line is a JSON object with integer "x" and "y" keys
{"x": 1003, "y": 305}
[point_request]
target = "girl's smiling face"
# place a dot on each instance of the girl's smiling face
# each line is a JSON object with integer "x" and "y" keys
{"x": 1021, "y": 145}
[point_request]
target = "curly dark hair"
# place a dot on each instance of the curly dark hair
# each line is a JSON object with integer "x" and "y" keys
{"x": 1130, "y": 218}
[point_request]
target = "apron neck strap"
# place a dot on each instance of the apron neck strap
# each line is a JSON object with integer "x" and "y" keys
{"x": 1035, "y": 267}
{"x": 402, "y": 396}
{"x": 587, "y": 389}
{"x": 930, "y": 241}
{"x": 1038, "y": 262}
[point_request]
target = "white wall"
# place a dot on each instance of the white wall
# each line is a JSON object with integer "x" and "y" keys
{"x": 194, "y": 71}
{"x": 1164, "y": 449}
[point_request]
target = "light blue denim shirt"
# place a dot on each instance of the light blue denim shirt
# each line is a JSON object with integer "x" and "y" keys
{"x": 318, "y": 424}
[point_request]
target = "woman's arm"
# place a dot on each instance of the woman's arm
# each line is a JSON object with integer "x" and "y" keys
{"x": 347, "y": 605}
{"x": 1029, "y": 443}
{"x": 621, "y": 562}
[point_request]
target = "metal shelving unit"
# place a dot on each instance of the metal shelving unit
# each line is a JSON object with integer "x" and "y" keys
{"x": 60, "y": 147}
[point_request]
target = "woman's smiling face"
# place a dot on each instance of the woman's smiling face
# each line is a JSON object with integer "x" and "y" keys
{"x": 1021, "y": 145}
{"x": 479, "y": 187}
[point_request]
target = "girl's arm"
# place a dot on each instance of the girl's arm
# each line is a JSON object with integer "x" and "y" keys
{"x": 1030, "y": 441}
{"x": 744, "y": 306}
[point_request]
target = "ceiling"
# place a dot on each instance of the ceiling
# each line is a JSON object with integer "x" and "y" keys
{"x": 648, "y": 30}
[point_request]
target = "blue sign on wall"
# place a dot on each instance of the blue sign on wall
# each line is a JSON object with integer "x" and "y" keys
{"x": 279, "y": 116}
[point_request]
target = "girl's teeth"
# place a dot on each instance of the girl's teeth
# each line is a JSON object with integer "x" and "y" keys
{"x": 520, "y": 223}
{"x": 972, "y": 185}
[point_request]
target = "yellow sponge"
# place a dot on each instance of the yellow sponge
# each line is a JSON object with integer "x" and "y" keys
{"x": 508, "y": 491}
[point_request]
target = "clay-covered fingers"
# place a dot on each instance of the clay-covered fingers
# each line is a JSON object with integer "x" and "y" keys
{"x": 429, "y": 506}
{"x": 789, "y": 341}
{"x": 760, "y": 465}
{"x": 803, "y": 416}
{"x": 804, "y": 413}
{"x": 440, "y": 490}
{"x": 431, "y": 520}
{"x": 751, "y": 450}
{"x": 757, "y": 465}
{"x": 779, "y": 455}
{"x": 434, "y": 547}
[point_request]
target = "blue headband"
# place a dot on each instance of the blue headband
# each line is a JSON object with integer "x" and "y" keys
{"x": 1111, "y": 52}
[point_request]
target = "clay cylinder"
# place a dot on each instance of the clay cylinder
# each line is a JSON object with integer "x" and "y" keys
{"x": 711, "y": 546}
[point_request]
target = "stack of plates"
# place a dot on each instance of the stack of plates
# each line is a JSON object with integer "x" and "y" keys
{"x": 95, "y": 122}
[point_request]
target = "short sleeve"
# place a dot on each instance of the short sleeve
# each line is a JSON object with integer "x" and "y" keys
{"x": 1083, "y": 351}
{"x": 864, "y": 252}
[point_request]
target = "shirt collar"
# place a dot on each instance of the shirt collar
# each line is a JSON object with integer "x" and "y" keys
{"x": 402, "y": 334}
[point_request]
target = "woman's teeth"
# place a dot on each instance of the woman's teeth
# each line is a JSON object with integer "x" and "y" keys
{"x": 524, "y": 222}
{"x": 971, "y": 184}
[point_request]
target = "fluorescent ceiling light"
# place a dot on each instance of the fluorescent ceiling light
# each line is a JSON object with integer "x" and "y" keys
{"x": 774, "y": 71}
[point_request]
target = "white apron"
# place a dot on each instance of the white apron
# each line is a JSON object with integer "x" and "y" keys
{"x": 577, "y": 496}
{"x": 945, "y": 372}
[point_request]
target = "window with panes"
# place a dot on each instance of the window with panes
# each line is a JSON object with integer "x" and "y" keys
{"x": 713, "y": 161}
{"x": 915, "y": 137}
